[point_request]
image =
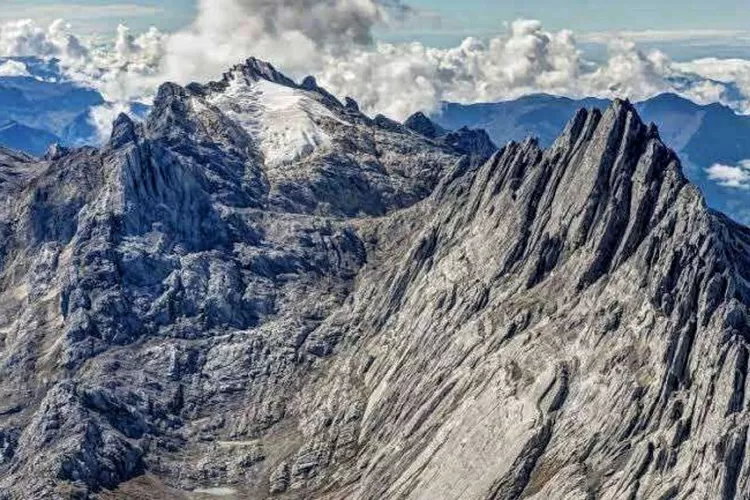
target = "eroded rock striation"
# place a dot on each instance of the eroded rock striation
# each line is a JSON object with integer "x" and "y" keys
{"x": 261, "y": 292}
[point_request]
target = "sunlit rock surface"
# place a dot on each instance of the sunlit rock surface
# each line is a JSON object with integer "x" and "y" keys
{"x": 261, "y": 292}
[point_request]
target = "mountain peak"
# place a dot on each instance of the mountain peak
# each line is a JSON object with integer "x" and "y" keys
{"x": 474, "y": 143}
{"x": 619, "y": 118}
{"x": 257, "y": 69}
{"x": 123, "y": 131}
{"x": 55, "y": 152}
{"x": 353, "y": 310}
{"x": 623, "y": 105}
{"x": 167, "y": 91}
{"x": 309, "y": 83}
{"x": 351, "y": 105}
{"x": 421, "y": 124}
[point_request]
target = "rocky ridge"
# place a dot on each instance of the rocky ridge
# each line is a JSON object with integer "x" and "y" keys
{"x": 472, "y": 142}
{"x": 218, "y": 303}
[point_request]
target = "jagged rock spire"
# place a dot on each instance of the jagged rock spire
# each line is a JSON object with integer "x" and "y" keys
{"x": 124, "y": 129}
{"x": 421, "y": 124}
{"x": 257, "y": 69}
{"x": 374, "y": 316}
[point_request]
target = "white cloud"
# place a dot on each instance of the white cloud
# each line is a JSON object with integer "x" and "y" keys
{"x": 737, "y": 177}
{"x": 399, "y": 79}
{"x": 26, "y": 38}
{"x": 333, "y": 39}
{"x": 727, "y": 71}
{"x": 13, "y": 68}
{"x": 296, "y": 35}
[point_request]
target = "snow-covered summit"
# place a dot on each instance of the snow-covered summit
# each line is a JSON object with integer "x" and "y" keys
{"x": 285, "y": 120}
{"x": 298, "y": 147}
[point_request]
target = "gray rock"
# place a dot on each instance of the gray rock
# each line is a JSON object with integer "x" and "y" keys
{"x": 471, "y": 142}
{"x": 373, "y": 316}
{"x": 421, "y": 124}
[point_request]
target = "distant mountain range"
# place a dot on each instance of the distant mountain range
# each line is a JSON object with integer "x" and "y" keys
{"x": 702, "y": 135}
{"x": 42, "y": 108}
{"x": 29, "y": 140}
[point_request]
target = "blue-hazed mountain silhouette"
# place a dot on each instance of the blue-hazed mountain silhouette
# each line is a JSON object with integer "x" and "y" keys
{"x": 44, "y": 108}
{"x": 542, "y": 116}
{"x": 29, "y": 140}
{"x": 45, "y": 105}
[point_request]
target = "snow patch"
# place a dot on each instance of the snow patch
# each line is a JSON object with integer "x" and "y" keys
{"x": 285, "y": 121}
{"x": 216, "y": 492}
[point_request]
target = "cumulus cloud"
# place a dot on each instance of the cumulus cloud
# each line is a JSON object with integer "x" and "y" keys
{"x": 402, "y": 79}
{"x": 298, "y": 35}
{"x": 734, "y": 72}
{"x": 333, "y": 39}
{"x": 25, "y": 38}
{"x": 127, "y": 69}
{"x": 737, "y": 177}
{"x": 12, "y": 68}
{"x": 131, "y": 71}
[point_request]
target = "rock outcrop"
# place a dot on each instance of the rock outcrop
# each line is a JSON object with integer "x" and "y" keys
{"x": 475, "y": 143}
{"x": 261, "y": 292}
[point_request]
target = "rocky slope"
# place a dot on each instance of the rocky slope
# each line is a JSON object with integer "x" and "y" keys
{"x": 261, "y": 292}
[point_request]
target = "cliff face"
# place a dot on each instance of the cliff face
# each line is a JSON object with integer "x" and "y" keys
{"x": 262, "y": 292}
{"x": 569, "y": 323}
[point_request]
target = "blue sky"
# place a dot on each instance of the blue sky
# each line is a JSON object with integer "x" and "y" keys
{"x": 446, "y": 22}
{"x": 101, "y": 16}
{"x": 466, "y": 16}
{"x": 689, "y": 28}
{"x": 588, "y": 15}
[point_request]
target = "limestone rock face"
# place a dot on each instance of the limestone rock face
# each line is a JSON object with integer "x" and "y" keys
{"x": 261, "y": 292}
